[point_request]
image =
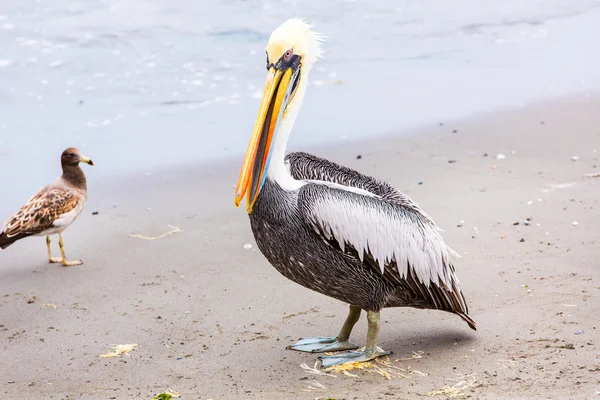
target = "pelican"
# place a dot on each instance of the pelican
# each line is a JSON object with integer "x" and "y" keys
{"x": 332, "y": 229}
{"x": 53, "y": 208}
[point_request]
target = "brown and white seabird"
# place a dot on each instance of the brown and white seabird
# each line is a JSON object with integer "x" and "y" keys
{"x": 53, "y": 208}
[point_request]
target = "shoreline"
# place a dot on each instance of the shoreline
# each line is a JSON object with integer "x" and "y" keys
{"x": 228, "y": 161}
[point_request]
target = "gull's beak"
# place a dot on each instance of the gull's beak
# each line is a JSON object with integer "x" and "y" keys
{"x": 256, "y": 161}
{"x": 86, "y": 160}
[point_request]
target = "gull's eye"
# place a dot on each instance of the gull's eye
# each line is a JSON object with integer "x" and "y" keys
{"x": 288, "y": 54}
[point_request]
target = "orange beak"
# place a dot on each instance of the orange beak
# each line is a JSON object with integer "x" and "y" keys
{"x": 256, "y": 162}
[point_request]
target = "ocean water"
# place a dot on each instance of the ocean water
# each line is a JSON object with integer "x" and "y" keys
{"x": 139, "y": 84}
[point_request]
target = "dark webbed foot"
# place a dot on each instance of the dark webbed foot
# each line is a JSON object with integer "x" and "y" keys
{"x": 322, "y": 344}
{"x": 370, "y": 352}
{"x": 352, "y": 356}
{"x": 326, "y": 344}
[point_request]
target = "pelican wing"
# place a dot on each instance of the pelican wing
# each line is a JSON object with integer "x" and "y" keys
{"x": 45, "y": 210}
{"x": 307, "y": 167}
{"x": 402, "y": 243}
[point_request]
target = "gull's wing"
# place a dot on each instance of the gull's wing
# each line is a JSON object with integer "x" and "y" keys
{"x": 51, "y": 207}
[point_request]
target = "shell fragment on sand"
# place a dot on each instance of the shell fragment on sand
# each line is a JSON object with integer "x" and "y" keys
{"x": 120, "y": 350}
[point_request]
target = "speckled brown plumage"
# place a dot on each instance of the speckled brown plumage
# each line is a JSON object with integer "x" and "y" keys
{"x": 54, "y": 207}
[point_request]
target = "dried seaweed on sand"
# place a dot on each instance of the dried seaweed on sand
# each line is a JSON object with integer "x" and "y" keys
{"x": 169, "y": 394}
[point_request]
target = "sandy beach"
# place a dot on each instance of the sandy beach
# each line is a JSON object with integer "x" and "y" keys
{"x": 212, "y": 318}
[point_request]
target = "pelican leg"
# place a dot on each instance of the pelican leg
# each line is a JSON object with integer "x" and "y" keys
{"x": 370, "y": 352}
{"x": 325, "y": 344}
{"x": 50, "y": 258}
{"x": 64, "y": 261}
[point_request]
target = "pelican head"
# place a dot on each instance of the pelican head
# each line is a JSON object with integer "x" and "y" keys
{"x": 292, "y": 50}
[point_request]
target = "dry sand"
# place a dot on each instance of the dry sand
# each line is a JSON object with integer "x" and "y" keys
{"x": 212, "y": 319}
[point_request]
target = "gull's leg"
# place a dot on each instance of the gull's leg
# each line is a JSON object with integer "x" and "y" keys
{"x": 326, "y": 344}
{"x": 50, "y": 258}
{"x": 369, "y": 353}
{"x": 66, "y": 263}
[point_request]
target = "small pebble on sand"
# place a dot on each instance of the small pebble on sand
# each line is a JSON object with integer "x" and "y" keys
{"x": 500, "y": 157}
{"x": 94, "y": 212}
{"x": 575, "y": 158}
{"x": 247, "y": 246}
{"x": 358, "y": 157}
{"x": 575, "y": 223}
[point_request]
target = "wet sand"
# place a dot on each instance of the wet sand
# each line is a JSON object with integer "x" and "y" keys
{"x": 212, "y": 318}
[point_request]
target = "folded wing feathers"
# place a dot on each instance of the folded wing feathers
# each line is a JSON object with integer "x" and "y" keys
{"x": 42, "y": 211}
{"x": 382, "y": 230}
{"x": 390, "y": 229}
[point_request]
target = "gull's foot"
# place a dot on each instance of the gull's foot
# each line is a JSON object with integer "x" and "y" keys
{"x": 352, "y": 356}
{"x": 66, "y": 263}
{"x": 53, "y": 260}
{"x": 321, "y": 345}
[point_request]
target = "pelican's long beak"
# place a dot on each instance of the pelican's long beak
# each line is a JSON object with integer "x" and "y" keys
{"x": 256, "y": 161}
{"x": 86, "y": 160}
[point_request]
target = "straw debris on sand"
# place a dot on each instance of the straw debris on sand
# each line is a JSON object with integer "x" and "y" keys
{"x": 173, "y": 230}
{"x": 381, "y": 366}
{"x": 119, "y": 350}
{"x": 458, "y": 389}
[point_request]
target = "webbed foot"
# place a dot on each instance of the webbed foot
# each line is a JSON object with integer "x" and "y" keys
{"x": 352, "y": 356}
{"x": 53, "y": 260}
{"x": 322, "y": 344}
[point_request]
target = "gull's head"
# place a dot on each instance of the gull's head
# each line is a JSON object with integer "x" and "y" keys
{"x": 292, "y": 50}
{"x": 73, "y": 156}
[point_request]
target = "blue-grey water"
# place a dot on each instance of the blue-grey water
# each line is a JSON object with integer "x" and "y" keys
{"x": 138, "y": 84}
